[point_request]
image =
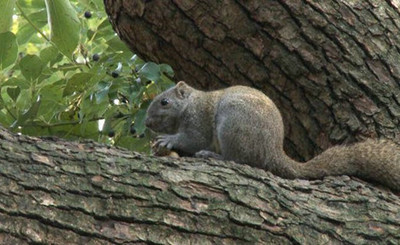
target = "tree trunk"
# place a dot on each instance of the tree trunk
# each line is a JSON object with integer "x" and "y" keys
{"x": 332, "y": 67}
{"x": 57, "y": 192}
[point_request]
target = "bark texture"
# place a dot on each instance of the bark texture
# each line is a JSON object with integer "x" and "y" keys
{"x": 332, "y": 66}
{"x": 58, "y": 192}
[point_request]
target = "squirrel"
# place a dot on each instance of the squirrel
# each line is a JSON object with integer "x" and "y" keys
{"x": 242, "y": 124}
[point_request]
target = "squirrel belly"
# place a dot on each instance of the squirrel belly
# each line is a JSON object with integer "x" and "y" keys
{"x": 243, "y": 125}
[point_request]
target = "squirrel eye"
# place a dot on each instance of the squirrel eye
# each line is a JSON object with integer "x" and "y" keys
{"x": 164, "y": 102}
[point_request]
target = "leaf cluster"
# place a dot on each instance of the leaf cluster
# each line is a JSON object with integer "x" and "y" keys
{"x": 64, "y": 72}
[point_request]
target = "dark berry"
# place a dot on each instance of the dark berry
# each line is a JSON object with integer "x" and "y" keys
{"x": 96, "y": 57}
{"x": 133, "y": 130}
{"x": 111, "y": 133}
{"x": 88, "y": 14}
{"x": 141, "y": 135}
{"x": 114, "y": 74}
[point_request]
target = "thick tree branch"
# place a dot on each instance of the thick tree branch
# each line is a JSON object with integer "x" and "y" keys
{"x": 55, "y": 191}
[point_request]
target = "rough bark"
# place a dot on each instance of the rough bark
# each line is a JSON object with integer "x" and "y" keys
{"x": 331, "y": 66}
{"x": 58, "y": 192}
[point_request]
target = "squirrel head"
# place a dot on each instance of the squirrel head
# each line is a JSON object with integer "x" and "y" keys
{"x": 163, "y": 114}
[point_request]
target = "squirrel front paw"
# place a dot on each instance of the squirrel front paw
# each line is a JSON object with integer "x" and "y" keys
{"x": 166, "y": 141}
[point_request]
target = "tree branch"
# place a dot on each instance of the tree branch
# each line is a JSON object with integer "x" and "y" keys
{"x": 55, "y": 191}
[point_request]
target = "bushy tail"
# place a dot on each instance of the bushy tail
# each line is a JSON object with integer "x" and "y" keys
{"x": 375, "y": 160}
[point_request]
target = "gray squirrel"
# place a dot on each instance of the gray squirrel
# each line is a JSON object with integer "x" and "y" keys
{"x": 243, "y": 125}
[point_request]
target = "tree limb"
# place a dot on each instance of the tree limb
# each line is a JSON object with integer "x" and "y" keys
{"x": 55, "y": 191}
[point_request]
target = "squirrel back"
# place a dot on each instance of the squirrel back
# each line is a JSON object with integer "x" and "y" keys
{"x": 242, "y": 124}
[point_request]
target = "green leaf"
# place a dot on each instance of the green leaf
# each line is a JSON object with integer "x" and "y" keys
{"x": 88, "y": 130}
{"x": 29, "y": 114}
{"x": 51, "y": 104}
{"x": 104, "y": 29}
{"x": 107, "y": 126}
{"x": 64, "y": 25}
{"x": 139, "y": 121}
{"x": 48, "y": 54}
{"x": 31, "y": 67}
{"x": 99, "y": 4}
{"x": 136, "y": 60}
{"x": 57, "y": 59}
{"x": 24, "y": 100}
{"x": 13, "y": 92}
{"x": 77, "y": 83}
{"x": 150, "y": 71}
{"x": 32, "y": 4}
{"x": 102, "y": 94}
{"x": 18, "y": 82}
{"x": 88, "y": 109}
{"x": 32, "y": 111}
{"x": 5, "y": 118}
{"x": 7, "y": 10}
{"x": 116, "y": 44}
{"x": 135, "y": 144}
{"x": 8, "y": 49}
{"x": 24, "y": 33}
{"x": 164, "y": 68}
{"x": 36, "y": 131}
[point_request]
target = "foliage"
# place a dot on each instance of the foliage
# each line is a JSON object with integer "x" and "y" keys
{"x": 64, "y": 69}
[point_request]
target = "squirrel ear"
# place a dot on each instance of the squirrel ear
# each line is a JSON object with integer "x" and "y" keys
{"x": 183, "y": 90}
{"x": 181, "y": 83}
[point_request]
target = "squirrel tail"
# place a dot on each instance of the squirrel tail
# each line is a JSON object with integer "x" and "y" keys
{"x": 374, "y": 160}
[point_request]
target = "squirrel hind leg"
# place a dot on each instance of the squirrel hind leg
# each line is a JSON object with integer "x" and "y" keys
{"x": 208, "y": 154}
